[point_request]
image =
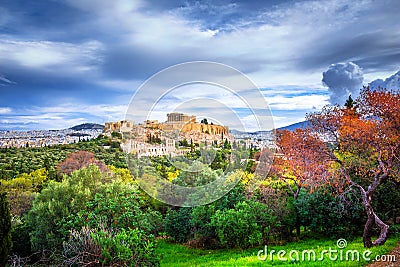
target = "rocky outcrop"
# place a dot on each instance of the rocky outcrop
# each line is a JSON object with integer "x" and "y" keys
{"x": 205, "y": 128}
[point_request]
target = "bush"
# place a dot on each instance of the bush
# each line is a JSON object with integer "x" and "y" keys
{"x": 119, "y": 206}
{"x": 246, "y": 225}
{"x": 109, "y": 247}
{"x": 204, "y": 234}
{"x": 21, "y": 191}
{"x": 281, "y": 204}
{"x": 330, "y": 216}
{"x": 394, "y": 230}
{"x": 178, "y": 225}
{"x": 60, "y": 200}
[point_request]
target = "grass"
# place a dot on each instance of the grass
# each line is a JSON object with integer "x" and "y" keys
{"x": 179, "y": 255}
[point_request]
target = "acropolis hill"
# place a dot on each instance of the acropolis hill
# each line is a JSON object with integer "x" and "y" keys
{"x": 175, "y": 122}
{"x": 156, "y": 139}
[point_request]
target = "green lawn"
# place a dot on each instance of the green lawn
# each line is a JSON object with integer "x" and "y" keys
{"x": 179, "y": 255}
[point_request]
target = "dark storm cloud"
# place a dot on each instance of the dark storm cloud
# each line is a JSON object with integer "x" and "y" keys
{"x": 342, "y": 80}
{"x": 376, "y": 50}
{"x": 367, "y": 35}
{"x": 220, "y": 14}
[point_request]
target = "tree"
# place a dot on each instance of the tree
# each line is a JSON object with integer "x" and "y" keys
{"x": 227, "y": 144}
{"x": 298, "y": 162}
{"x": 22, "y": 190}
{"x": 78, "y": 160}
{"x": 116, "y": 135}
{"x": 349, "y": 102}
{"x": 5, "y": 229}
{"x": 204, "y": 121}
{"x": 364, "y": 144}
{"x": 60, "y": 200}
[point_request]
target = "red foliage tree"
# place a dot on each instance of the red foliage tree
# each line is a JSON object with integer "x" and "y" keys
{"x": 364, "y": 142}
{"x": 356, "y": 146}
{"x": 79, "y": 160}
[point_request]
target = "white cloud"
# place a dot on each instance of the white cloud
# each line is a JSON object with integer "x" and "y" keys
{"x": 302, "y": 102}
{"x": 62, "y": 116}
{"x": 51, "y": 56}
{"x": 5, "y": 110}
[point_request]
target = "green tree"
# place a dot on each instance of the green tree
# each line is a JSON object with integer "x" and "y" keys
{"x": 178, "y": 224}
{"x": 116, "y": 135}
{"x": 60, "y": 200}
{"x": 349, "y": 103}
{"x": 22, "y": 190}
{"x": 246, "y": 225}
{"x": 227, "y": 144}
{"x": 5, "y": 229}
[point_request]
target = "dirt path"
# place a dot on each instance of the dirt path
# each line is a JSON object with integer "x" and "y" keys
{"x": 396, "y": 263}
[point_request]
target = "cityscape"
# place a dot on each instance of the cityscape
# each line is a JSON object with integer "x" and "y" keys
{"x": 178, "y": 127}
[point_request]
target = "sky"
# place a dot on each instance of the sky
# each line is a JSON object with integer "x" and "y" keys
{"x": 66, "y": 62}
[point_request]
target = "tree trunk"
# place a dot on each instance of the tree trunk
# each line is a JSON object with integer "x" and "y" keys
{"x": 371, "y": 220}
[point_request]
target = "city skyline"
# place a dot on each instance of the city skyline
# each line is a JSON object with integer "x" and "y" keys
{"x": 63, "y": 63}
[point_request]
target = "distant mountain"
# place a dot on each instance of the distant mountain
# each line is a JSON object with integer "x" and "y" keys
{"x": 292, "y": 127}
{"x": 87, "y": 126}
{"x": 391, "y": 83}
{"x": 234, "y": 131}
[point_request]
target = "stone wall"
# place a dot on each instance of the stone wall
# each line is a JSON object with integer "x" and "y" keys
{"x": 118, "y": 126}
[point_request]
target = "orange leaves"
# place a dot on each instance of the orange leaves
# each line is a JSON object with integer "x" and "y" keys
{"x": 302, "y": 158}
{"x": 344, "y": 144}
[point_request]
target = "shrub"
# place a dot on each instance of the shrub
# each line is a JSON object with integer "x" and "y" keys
{"x": 281, "y": 204}
{"x": 204, "y": 234}
{"x": 394, "y": 230}
{"x": 119, "y": 206}
{"x": 244, "y": 226}
{"x": 60, "y": 200}
{"x": 110, "y": 247}
{"x": 178, "y": 225}
{"x": 330, "y": 216}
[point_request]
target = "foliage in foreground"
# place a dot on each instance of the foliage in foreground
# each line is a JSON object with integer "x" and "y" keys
{"x": 99, "y": 247}
{"x": 246, "y": 225}
{"x": 5, "y": 229}
{"x": 66, "y": 215}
